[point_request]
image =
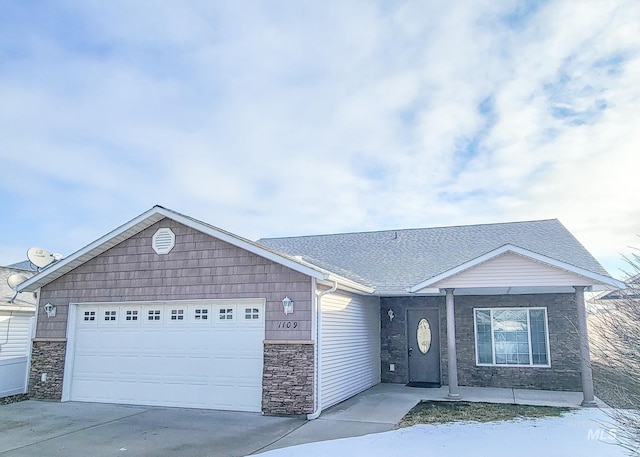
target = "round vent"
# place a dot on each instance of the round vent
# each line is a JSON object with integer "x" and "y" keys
{"x": 163, "y": 241}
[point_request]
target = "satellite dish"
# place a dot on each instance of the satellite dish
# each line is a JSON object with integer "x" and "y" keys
{"x": 40, "y": 257}
{"x": 15, "y": 280}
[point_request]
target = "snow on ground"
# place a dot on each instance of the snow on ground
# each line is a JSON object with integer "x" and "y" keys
{"x": 584, "y": 433}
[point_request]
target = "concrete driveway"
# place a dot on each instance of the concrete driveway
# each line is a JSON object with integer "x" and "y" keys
{"x": 38, "y": 428}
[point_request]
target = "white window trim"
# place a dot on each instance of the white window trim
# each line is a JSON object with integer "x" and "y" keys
{"x": 493, "y": 351}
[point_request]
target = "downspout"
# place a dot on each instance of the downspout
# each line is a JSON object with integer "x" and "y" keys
{"x": 318, "y": 337}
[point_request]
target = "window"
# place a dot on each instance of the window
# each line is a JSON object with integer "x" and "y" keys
{"x": 251, "y": 314}
{"x": 131, "y": 315}
{"x": 89, "y": 316}
{"x": 109, "y": 316}
{"x": 177, "y": 314}
{"x": 201, "y": 314}
{"x": 153, "y": 315}
{"x": 225, "y": 314}
{"x": 512, "y": 336}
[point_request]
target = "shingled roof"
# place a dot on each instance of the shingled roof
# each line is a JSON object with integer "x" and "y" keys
{"x": 393, "y": 260}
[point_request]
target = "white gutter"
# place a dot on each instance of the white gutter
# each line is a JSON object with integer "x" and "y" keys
{"x": 318, "y": 339}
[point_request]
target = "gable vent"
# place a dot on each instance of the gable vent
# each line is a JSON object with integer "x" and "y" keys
{"x": 163, "y": 241}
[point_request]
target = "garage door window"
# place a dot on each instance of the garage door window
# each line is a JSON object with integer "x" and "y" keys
{"x": 251, "y": 314}
{"x": 225, "y": 314}
{"x": 89, "y": 316}
{"x": 153, "y": 315}
{"x": 177, "y": 315}
{"x": 131, "y": 315}
{"x": 110, "y": 315}
{"x": 201, "y": 314}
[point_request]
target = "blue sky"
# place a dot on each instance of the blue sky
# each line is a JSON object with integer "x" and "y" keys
{"x": 289, "y": 118}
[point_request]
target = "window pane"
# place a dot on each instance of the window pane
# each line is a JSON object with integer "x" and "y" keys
{"x": 538, "y": 337}
{"x": 483, "y": 335}
{"x": 511, "y": 336}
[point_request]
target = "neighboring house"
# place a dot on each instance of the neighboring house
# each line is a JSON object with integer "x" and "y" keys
{"x": 24, "y": 265}
{"x": 16, "y": 327}
{"x": 168, "y": 310}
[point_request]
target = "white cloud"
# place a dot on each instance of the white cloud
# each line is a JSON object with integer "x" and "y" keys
{"x": 279, "y": 118}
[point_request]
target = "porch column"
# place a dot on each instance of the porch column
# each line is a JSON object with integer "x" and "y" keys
{"x": 451, "y": 346}
{"x": 585, "y": 358}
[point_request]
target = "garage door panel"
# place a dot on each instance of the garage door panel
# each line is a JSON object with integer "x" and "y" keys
{"x": 189, "y": 363}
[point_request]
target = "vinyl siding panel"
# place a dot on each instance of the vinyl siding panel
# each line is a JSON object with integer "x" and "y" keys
{"x": 510, "y": 270}
{"x": 350, "y": 346}
{"x": 15, "y": 334}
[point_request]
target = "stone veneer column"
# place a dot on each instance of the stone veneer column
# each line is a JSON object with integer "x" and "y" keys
{"x": 287, "y": 379}
{"x": 588, "y": 398}
{"x": 47, "y": 358}
{"x": 451, "y": 346}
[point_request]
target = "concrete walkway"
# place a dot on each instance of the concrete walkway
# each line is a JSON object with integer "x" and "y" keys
{"x": 380, "y": 408}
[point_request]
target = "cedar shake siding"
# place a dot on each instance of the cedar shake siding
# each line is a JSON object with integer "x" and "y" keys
{"x": 563, "y": 374}
{"x": 198, "y": 267}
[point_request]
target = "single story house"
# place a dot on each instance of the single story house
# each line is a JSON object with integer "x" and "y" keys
{"x": 16, "y": 330}
{"x": 168, "y": 310}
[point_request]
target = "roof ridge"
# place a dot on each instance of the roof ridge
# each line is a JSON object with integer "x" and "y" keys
{"x": 410, "y": 229}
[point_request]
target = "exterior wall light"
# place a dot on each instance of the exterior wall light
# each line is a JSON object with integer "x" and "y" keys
{"x": 50, "y": 310}
{"x": 287, "y": 304}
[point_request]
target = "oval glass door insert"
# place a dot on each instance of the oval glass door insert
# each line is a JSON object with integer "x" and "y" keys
{"x": 424, "y": 336}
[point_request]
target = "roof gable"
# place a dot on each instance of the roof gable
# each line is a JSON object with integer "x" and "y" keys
{"x": 147, "y": 219}
{"x": 510, "y": 266}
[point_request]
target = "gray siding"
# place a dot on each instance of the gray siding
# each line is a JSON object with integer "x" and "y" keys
{"x": 198, "y": 267}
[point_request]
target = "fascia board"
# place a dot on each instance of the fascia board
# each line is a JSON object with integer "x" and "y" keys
{"x": 600, "y": 279}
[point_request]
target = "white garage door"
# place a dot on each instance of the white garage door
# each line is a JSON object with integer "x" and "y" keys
{"x": 195, "y": 354}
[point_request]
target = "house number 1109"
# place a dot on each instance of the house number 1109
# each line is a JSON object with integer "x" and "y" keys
{"x": 288, "y": 325}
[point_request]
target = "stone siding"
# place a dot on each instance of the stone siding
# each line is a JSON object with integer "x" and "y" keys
{"x": 47, "y": 357}
{"x": 564, "y": 373}
{"x": 287, "y": 380}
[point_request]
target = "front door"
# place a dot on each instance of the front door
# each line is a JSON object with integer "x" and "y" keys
{"x": 424, "y": 347}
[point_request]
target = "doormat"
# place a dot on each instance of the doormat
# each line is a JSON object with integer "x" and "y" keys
{"x": 425, "y": 385}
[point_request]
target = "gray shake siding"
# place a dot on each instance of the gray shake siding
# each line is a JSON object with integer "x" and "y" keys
{"x": 564, "y": 373}
{"x": 198, "y": 267}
